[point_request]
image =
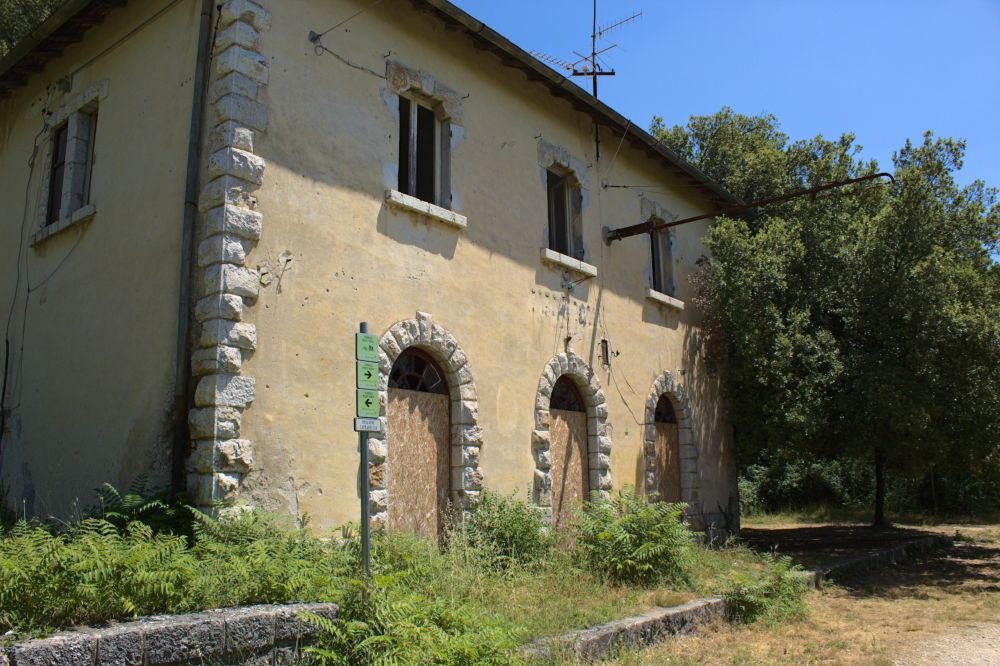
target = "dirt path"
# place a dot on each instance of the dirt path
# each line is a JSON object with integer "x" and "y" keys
{"x": 942, "y": 611}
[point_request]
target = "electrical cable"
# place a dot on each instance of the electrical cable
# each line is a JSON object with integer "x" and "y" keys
{"x": 346, "y": 20}
{"x": 17, "y": 270}
{"x": 321, "y": 48}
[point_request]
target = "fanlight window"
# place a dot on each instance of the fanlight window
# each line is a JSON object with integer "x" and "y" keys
{"x": 664, "y": 411}
{"x": 565, "y": 396}
{"x": 414, "y": 370}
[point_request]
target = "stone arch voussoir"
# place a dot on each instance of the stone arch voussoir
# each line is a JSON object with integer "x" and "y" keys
{"x": 598, "y": 432}
{"x": 466, "y": 433}
{"x": 665, "y": 385}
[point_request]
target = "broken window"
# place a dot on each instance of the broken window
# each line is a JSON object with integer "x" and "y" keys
{"x": 414, "y": 370}
{"x": 565, "y": 204}
{"x": 662, "y": 269}
{"x": 70, "y": 167}
{"x": 565, "y": 396}
{"x": 424, "y": 142}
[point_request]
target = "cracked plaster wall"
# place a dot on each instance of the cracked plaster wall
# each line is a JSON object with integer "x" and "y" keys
{"x": 330, "y": 150}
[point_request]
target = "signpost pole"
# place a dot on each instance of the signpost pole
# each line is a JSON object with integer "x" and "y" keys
{"x": 366, "y": 554}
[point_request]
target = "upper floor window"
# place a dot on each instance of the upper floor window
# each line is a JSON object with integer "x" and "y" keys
{"x": 662, "y": 269}
{"x": 565, "y": 219}
{"x": 424, "y": 142}
{"x": 70, "y": 167}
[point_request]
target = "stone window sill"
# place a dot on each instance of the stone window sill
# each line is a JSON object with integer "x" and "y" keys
{"x": 565, "y": 261}
{"x": 664, "y": 299}
{"x": 79, "y": 216}
{"x": 414, "y": 205}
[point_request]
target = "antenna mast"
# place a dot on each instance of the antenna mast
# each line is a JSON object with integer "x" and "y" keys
{"x": 587, "y": 65}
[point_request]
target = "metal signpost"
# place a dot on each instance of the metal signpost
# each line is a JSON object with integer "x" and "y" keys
{"x": 366, "y": 420}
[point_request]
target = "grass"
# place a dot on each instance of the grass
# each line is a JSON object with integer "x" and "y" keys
{"x": 826, "y": 514}
{"x": 938, "y": 611}
{"x": 490, "y": 590}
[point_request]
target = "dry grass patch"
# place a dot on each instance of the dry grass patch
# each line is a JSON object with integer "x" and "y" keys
{"x": 891, "y": 617}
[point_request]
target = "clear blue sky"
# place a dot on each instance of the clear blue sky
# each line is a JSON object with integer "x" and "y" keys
{"x": 883, "y": 69}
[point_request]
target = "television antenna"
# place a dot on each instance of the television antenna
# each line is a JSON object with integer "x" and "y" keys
{"x": 589, "y": 65}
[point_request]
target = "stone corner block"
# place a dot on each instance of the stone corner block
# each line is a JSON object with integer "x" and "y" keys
{"x": 234, "y": 220}
{"x": 247, "y": 12}
{"x": 225, "y": 391}
{"x": 230, "y": 279}
{"x": 216, "y": 360}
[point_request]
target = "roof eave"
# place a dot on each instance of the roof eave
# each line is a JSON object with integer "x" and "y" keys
{"x": 515, "y": 56}
{"x": 65, "y": 26}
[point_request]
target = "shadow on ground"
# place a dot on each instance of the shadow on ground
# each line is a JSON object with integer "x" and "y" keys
{"x": 816, "y": 545}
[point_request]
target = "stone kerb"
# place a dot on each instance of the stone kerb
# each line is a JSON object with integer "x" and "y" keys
{"x": 246, "y": 635}
{"x": 665, "y": 385}
{"x": 598, "y": 432}
{"x": 466, "y": 434}
{"x": 230, "y": 226}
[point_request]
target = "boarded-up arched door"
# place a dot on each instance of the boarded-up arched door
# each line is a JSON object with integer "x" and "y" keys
{"x": 419, "y": 440}
{"x": 668, "y": 463}
{"x": 568, "y": 450}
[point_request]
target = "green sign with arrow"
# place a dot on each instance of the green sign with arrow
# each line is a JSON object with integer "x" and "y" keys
{"x": 368, "y": 403}
{"x": 367, "y": 375}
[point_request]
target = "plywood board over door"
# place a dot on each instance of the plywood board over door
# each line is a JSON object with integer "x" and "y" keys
{"x": 568, "y": 451}
{"x": 668, "y": 463}
{"x": 419, "y": 446}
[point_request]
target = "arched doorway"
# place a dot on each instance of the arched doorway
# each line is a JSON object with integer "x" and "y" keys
{"x": 419, "y": 427}
{"x": 668, "y": 463}
{"x": 568, "y": 450}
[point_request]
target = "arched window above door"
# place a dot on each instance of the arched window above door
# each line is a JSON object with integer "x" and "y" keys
{"x": 664, "y": 411}
{"x": 566, "y": 396}
{"x": 415, "y": 370}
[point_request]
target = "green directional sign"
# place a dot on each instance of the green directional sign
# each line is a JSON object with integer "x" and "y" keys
{"x": 368, "y": 403}
{"x": 367, "y": 375}
{"x": 366, "y": 347}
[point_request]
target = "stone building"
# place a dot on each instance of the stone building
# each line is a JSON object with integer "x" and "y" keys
{"x": 202, "y": 203}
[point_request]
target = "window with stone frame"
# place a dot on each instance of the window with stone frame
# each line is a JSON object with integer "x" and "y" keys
{"x": 424, "y": 152}
{"x": 662, "y": 260}
{"x": 565, "y": 203}
{"x": 71, "y": 164}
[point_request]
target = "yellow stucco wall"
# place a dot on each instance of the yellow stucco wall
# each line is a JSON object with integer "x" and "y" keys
{"x": 94, "y": 327}
{"x": 330, "y": 148}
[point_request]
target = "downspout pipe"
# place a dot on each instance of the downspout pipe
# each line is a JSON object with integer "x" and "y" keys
{"x": 182, "y": 379}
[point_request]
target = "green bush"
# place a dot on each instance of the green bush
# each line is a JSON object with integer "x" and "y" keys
{"x": 777, "y": 593}
{"x": 91, "y": 573}
{"x": 507, "y": 530}
{"x": 389, "y": 624}
{"x": 633, "y": 541}
{"x": 95, "y": 570}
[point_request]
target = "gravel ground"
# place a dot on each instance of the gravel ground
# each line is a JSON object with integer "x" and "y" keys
{"x": 972, "y": 646}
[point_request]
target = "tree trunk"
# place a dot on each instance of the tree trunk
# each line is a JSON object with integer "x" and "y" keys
{"x": 880, "y": 520}
{"x": 934, "y": 499}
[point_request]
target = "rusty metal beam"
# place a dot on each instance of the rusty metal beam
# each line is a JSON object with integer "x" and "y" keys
{"x": 651, "y": 225}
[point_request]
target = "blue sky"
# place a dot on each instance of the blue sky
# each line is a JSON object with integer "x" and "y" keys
{"x": 883, "y": 69}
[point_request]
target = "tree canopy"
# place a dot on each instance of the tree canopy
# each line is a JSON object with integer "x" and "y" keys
{"x": 18, "y": 17}
{"x": 864, "y": 323}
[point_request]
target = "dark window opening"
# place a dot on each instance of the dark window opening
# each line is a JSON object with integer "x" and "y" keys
{"x": 662, "y": 262}
{"x": 422, "y": 145}
{"x": 566, "y": 396}
{"x": 558, "y": 227}
{"x": 414, "y": 370}
{"x": 664, "y": 411}
{"x": 57, "y": 174}
{"x": 565, "y": 203}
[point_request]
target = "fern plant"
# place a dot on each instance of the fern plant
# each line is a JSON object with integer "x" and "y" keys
{"x": 506, "y": 530}
{"x": 776, "y": 593}
{"x": 630, "y": 540}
